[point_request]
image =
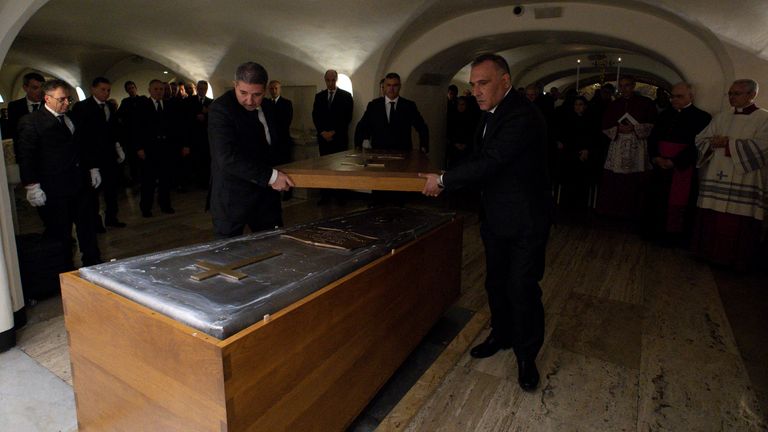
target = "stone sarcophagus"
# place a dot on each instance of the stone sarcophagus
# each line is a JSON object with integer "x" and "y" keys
{"x": 291, "y": 329}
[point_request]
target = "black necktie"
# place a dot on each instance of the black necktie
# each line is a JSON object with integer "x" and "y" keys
{"x": 487, "y": 117}
{"x": 104, "y": 109}
{"x": 159, "y": 107}
{"x": 64, "y": 123}
{"x": 35, "y": 107}
{"x": 330, "y": 98}
{"x": 391, "y": 111}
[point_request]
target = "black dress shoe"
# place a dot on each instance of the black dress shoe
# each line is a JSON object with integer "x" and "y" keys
{"x": 527, "y": 374}
{"x": 115, "y": 224}
{"x": 489, "y": 347}
{"x": 168, "y": 210}
{"x": 146, "y": 213}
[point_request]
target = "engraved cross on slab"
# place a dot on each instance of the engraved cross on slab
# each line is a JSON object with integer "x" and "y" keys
{"x": 229, "y": 270}
{"x": 721, "y": 174}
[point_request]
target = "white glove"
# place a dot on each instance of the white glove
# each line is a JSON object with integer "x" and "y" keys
{"x": 120, "y": 153}
{"x": 95, "y": 177}
{"x": 35, "y": 195}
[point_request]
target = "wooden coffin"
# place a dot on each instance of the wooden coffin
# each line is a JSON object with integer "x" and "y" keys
{"x": 312, "y": 366}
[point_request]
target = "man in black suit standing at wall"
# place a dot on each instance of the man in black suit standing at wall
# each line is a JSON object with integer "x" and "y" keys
{"x": 388, "y": 120}
{"x": 157, "y": 147}
{"x": 509, "y": 166}
{"x": 127, "y": 123}
{"x": 98, "y": 130}
{"x": 283, "y": 119}
{"x": 241, "y": 131}
{"x": 197, "y": 118}
{"x": 33, "y": 101}
{"x": 331, "y": 114}
{"x": 59, "y": 178}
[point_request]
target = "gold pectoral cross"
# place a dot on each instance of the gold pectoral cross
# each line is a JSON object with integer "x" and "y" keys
{"x": 228, "y": 270}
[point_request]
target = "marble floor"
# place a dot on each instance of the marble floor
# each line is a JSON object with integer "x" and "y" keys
{"x": 638, "y": 338}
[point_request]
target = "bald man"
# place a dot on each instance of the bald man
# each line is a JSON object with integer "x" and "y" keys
{"x": 510, "y": 169}
{"x": 331, "y": 114}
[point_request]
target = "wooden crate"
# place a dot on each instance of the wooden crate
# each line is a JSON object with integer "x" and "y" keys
{"x": 313, "y": 366}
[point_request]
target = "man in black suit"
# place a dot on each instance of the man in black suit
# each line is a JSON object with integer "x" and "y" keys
{"x": 509, "y": 166}
{"x": 388, "y": 120}
{"x": 33, "y": 101}
{"x": 97, "y": 126}
{"x": 242, "y": 132}
{"x": 331, "y": 114}
{"x": 128, "y": 123}
{"x": 283, "y": 119}
{"x": 196, "y": 126}
{"x": 158, "y": 147}
{"x": 58, "y": 176}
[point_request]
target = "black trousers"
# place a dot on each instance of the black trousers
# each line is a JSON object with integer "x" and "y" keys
{"x": 338, "y": 144}
{"x": 110, "y": 186}
{"x": 514, "y": 267}
{"x": 265, "y": 214}
{"x": 156, "y": 173}
{"x": 58, "y": 215}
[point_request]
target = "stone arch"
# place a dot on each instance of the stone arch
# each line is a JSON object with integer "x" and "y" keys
{"x": 430, "y": 59}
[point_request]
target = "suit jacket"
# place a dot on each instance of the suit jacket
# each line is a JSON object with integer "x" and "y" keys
{"x": 241, "y": 158}
{"x": 394, "y": 133}
{"x": 16, "y": 110}
{"x": 509, "y": 166}
{"x": 128, "y": 120}
{"x": 196, "y": 131}
{"x": 97, "y": 135}
{"x": 159, "y": 134}
{"x": 49, "y": 154}
{"x": 333, "y": 118}
{"x": 283, "y": 118}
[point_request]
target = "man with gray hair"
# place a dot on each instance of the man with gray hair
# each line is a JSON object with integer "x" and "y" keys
{"x": 733, "y": 151}
{"x": 243, "y": 134}
{"x": 672, "y": 151}
{"x": 58, "y": 175}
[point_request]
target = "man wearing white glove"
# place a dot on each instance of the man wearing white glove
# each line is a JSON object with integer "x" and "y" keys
{"x": 120, "y": 153}
{"x": 98, "y": 132}
{"x": 95, "y": 178}
{"x": 35, "y": 195}
{"x": 56, "y": 174}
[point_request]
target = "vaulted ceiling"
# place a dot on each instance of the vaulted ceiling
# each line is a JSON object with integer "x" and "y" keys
{"x": 78, "y": 39}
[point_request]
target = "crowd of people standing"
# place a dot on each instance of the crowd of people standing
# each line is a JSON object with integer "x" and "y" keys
{"x": 660, "y": 165}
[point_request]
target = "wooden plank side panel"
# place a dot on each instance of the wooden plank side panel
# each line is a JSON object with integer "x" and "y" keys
{"x": 336, "y": 181}
{"x": 103, "y": 392}
{"x": 321, "y": 361}
{"x": 391, "y": 338}
{"x": 123, "y": 352}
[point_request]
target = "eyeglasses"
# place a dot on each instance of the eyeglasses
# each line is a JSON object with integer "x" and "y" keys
{"x": 735, "y": 93}
{"x": 61, "y": 99}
